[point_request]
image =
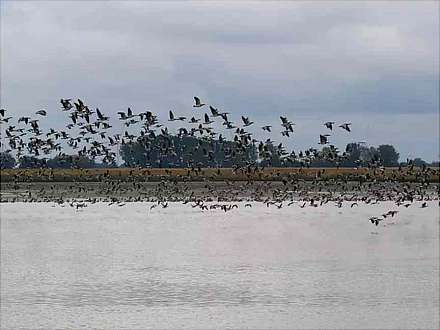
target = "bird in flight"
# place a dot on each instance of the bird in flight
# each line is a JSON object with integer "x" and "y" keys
{"x": 101, "y": 116}
{"x": 329, "y": 125}
{"x": 323, "y": 139}
{"x": 24, "y": 119}
{"x": 198, "y": 103}
{"x": 346, "y": 126}
{"x": 214, "y": 111}
{"x": 66, "y": 104}
{"x": 246, "y": 121}
{"x": 41, "y": 112}
{"x": 207, "y": 120}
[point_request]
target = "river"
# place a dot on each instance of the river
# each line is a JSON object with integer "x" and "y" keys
{"x": 130, "y": 267}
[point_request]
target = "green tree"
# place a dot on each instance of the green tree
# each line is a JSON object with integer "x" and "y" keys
{"x": 31, "y": 162}
{"x": 6, "y": 160}
{"x": 174, "y": 151}
{"x": 70, "y": 161}
{"x": 419, "y": 162}
{"x": 388, "y": 155}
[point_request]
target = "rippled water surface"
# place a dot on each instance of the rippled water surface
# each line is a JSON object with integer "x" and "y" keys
{"x": 129, "y": 267}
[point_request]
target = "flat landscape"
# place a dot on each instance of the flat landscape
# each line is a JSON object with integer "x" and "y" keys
{"x": 220, "y": 174}
{"x": 219, "y": 165}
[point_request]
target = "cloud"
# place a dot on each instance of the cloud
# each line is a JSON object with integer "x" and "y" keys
{"x": 321, "y": 59}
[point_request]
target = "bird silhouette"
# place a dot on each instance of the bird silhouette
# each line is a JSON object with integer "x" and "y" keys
{"x": 346, "y": 126}
{"x": 198, "y": 104}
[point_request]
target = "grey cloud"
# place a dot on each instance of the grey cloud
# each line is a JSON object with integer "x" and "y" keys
{"x": 319, "y": 59}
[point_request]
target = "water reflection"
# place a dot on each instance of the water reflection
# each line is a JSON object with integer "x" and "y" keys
{"x": 304, "y": 284}
{"x": 62, "y": 269}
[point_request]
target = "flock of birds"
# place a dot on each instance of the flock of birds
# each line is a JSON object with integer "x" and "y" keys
{"x": 88, "y": 132}
{"x": 93, "y": 137}
{"x": 229, "y": 195}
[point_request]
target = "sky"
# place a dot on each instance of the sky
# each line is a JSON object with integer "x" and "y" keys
{"x": 374, "y": 64}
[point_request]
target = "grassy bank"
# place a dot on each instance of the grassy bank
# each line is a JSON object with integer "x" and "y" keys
{"x": 267, "y": 174}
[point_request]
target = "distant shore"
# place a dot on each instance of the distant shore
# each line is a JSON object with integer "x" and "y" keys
{"x": 431, "y": 175}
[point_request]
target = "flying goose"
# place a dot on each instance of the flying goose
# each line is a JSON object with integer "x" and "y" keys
{"x": 207, "y": 121}
{"x": 194, "y": 120}
{"x": 246, "y": 121}
{"x": 323, "y": 139}
{"x": 66, "y": 104}
{"x": 214, "y": 111}
{"x": 329, "y": 125}
{"x": 198, "y": 103}
{"x": 346, "y": 126}
{"x": 100, "y": 115}
{"x": 24, "y": 119}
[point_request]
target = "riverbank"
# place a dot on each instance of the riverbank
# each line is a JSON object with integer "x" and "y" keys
{"x": 222, "y": 174}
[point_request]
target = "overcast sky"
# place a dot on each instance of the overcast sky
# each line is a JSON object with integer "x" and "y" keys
{"x": 374, "y": 64}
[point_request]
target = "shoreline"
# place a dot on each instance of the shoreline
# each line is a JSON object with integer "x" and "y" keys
{"x": 253, "y": 173}
{"x": 197, "y": 192}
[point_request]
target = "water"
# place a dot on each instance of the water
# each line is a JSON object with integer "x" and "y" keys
{"x": 129, "y": 268}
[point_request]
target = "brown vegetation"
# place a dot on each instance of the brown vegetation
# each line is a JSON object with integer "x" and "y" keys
{"x": 183, "y": 174}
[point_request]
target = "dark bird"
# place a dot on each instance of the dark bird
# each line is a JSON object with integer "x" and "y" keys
{"x": 66, "y": 104}
{"x": 246, "y": 121}
{"x": 288, "y": 126}
{"x": 101, "y": 116}
{"x": 323, "y": 139}
{"x": 375, "y": 220}
{"x": 129, "y": 113}
{"x": 198, "y": 103}
{"x": 207, "y": 120}
{"x": 392, "y": 213}
{"x": 214, "y": 111}
{"x": 329, "y": 125}
{"x": 346, "y": 126}
{"x": 173, "y": 118}
{"x": 24, "y": 119}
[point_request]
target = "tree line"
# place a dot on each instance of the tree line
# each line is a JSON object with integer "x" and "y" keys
{"x": 183, "y": 152}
